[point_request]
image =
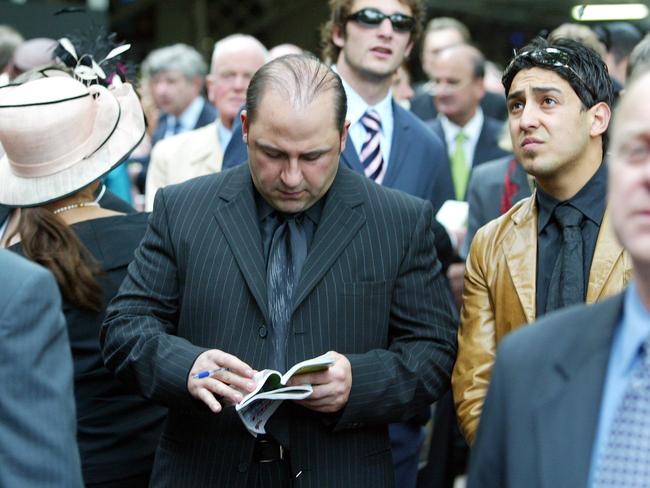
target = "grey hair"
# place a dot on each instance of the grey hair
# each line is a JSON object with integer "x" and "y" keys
{"x": 180, "y": 57}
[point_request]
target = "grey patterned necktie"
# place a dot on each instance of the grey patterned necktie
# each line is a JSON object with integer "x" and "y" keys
{"x": 286, "y": 258}
{"x": 625, "y": 459}
{"x": 567, "y": 281}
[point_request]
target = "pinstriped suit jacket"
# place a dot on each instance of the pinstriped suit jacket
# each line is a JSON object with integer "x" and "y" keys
{"x": 371, "y": 288}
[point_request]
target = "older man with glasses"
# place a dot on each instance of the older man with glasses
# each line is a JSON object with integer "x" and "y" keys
{"x": 557, "y": 247}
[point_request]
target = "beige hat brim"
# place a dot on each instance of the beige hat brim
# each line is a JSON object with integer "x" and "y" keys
{"x": 18, "y": 191}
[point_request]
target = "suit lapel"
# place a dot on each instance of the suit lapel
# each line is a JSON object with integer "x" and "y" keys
{"x": 606, "y": 254}
{"x": 566, "y": 417}
{"x": 520, "y": 250}
{"x": 339, "y": 223}
{"x": 237, "y": 217}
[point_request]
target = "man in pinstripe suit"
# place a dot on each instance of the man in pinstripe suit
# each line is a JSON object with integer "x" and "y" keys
{"x": 370, "y": 293}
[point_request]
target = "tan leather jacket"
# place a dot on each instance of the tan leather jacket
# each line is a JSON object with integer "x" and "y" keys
{"x": 499, "y": 296}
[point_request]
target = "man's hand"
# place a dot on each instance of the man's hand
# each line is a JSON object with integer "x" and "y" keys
{"x": 331, "y": 387}
{"x": 230, "y": 384}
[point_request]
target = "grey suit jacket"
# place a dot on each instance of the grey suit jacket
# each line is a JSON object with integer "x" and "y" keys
{"x": 541, "y": 412}
{"x": 484, "y": 192}
{"x": 370, "y": 288}
{"x": 38, "y": 445}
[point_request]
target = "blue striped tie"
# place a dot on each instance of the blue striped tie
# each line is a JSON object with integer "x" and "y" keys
{"x": 370, "y": 157}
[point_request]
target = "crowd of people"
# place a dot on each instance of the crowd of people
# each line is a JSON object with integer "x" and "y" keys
{"x": 471, "y": 254}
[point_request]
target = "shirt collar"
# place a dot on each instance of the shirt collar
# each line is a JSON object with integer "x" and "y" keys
{"x": 189, "y": 117}
{"x": 635, "y": 327}
{"x": 590, "y": 200}
{"x": 357, "y": 106}
{"x": 264, "y": 210}
{"x": 472, "y": 129}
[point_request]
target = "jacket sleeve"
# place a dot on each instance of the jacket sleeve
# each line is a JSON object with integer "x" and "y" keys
{"x": 139, "y": 335}
{"x": 393, "y": 384}
{"x": 476, "y": 339}
{"x": 156, "y": 174}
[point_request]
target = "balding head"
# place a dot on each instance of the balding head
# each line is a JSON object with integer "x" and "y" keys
{"x": 300, "y": 78}
{"x": 458, "y": 82}
{"x": 235, "y": 60}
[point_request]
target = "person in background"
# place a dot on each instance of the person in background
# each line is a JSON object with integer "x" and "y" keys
{"x": 10, "y": 39}
{"x": 401, "y": 86}
{"x": 199, "y": 152}
{"x": 176, "y": 76}
{"x": 440, "y": 34}
{"x": 82, "y": 133}
{"x": 619, "y": 39}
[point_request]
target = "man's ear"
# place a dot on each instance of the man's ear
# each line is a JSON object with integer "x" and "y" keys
{"x": 344, "y": 134}
{"x": 338, "y": 38}
{"x": 244, "y": 126}
{"x": 600, "y": 117}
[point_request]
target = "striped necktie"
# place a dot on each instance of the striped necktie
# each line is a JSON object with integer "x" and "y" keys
{"x": 370, "y": 157}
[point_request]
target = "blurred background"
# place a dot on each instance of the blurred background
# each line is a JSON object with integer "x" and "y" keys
{"x": 497, "y": 26}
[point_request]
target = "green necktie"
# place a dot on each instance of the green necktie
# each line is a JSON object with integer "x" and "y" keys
{"x": 459, "y": 168}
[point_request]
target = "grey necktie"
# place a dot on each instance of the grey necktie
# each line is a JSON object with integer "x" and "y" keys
{"x": 625, "y": 459}
{"x": 567, "y": 281}
{"x": 286, "y": 258}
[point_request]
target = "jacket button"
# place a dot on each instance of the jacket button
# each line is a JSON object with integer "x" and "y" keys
{"x": 243, "y": 467}
{"x": 263, "y": 331}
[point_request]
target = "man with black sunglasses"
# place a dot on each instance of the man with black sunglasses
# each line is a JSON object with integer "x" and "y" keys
{"x": 557, "y": 247}
{"x": 367, "y": 40}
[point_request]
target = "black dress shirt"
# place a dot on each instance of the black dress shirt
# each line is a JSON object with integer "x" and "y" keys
{"x": 265, "y": 212}
{"x": 591, "y": 202}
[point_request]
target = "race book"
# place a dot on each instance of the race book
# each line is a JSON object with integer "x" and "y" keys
{"x": 256, "y": 408}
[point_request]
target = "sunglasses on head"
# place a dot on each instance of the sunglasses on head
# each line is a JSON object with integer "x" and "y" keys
{"x": 371, "y": 17}
{"x": 552, "y": 56}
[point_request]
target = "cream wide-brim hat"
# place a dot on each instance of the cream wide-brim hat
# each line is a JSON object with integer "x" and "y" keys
{"x": 60, "y": 135}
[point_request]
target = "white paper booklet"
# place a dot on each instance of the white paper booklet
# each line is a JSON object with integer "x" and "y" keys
{"x": 256, "y": 408}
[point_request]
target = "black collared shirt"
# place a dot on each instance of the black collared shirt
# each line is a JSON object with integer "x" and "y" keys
{"x": 591, "y": 202}
{"x": 310, "y": 219}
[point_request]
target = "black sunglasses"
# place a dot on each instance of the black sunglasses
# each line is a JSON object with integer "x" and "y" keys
{"x": 371, "y": 17}
{"x": 552, "y": 56}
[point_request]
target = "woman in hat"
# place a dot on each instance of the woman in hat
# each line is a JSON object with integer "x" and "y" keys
{"x": 60, "y": 137}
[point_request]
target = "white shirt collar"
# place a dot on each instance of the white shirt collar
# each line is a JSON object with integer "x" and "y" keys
{"x": 472, "y": 129}
{"x": 188, "y": 118}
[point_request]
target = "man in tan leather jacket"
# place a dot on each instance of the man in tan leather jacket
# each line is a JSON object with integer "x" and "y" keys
{"x": 559, "y": 98}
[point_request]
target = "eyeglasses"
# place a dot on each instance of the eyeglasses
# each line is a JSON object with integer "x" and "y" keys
{"x": 371, "y": 17}
{"x": 552, "y": 56}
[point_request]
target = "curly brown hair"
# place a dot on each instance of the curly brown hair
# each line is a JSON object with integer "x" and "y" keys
{"x": 339, "y": 12}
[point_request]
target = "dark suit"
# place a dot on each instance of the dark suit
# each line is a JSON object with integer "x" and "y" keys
{"x": 541, "y": 412}
{"x": 416, "y": 161}
{"x": 207, "y": 116}
{"x": 487, "y": 149}
{"x": 37, "y": 411}
{"x": 424, "y": 106}
{"x": 199, "y": 282}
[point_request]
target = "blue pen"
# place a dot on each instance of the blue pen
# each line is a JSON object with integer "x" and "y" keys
{"x": 210, "y": 372}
